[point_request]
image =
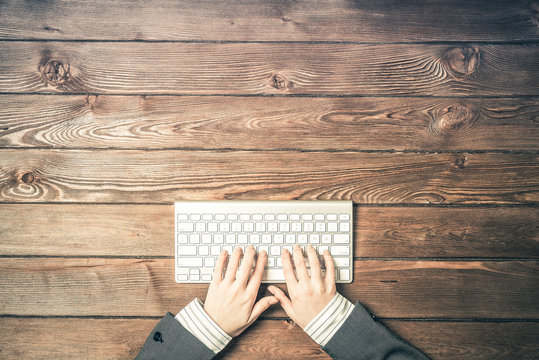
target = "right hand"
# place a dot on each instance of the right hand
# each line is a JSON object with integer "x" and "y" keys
{"x": 308, "y": 294}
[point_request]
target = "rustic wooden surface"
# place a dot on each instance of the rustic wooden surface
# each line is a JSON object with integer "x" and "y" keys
{"x": 425, "y": 114}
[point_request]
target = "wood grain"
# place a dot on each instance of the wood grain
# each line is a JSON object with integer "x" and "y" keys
{"x": 269, "y": 122}
{"x": 269, "y": 68}
{"x": 275, "y": 339}
{"x": 145, "y": 230}
{"x": 164, "y": 176}
{"x": 260, "y": 20}
{"x": 389, "y": 288}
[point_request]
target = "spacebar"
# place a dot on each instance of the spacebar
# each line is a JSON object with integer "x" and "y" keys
{"x": 273, "y": 275}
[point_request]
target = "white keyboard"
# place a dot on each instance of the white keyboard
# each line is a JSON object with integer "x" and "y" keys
{"x": 205, "y": 228}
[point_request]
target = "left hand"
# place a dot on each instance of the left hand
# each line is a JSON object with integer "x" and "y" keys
{"x": 230, "y": 301}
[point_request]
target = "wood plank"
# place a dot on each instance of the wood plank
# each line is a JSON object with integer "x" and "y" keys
{"x": 145, "y": 230}
{"x": 390, "y": 288}
{"x": 36, "y": 175}
{"x": 268, "y": 68}
{"x": 269, "y": 122}
{"x": 340, "y": 20}
{"x": 32, "y": 338}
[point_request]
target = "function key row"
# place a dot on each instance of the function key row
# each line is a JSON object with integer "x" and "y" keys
{"x": 260, "y": 217}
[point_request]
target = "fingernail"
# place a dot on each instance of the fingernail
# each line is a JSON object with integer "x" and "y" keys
{"x": 285, "y": 251}
{"x": 263, "y": 253}
{"x": 271, "y": 290}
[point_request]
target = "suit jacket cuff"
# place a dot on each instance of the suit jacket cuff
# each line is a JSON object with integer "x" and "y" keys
{"x": 201, "y": 325}
{"x": 322, "y": 328}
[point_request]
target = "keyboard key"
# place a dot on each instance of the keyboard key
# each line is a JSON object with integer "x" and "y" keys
{"x": 296, "y": 226}
{"x": 218, "y": 238}
{"x": 183, "y": 217}
{"x": 185, "y": 227}
{"x": 306, "y": 216}
{"x": 344, "y": 227}
{"x": 254, "y": 238}
{"x": 302, "y": 238}
{"x": 206, "y": 238}
{"x": 290, "y": 238}
{"x": 242, "y": 238}
{"x": 209, "y": 262}
{"x": 257, "y": 217}
{"x": 341, "y": 238}
{"x": 284, "y": 227}
{"x": 194, "y": 277}
{"x": 230, "y": 238}
{"x": 273, "y": 227}
{"x": 194, "y": 272}
{"x": 269, "y": 217}
{"x": 271, "y": 262}
{"x": 232, "y": 217}
{"x": 212, "y": 227}
{"x": 332, "y": 227}
{"x": 206, "y": 270}
{"x": 207, "y": 217}
{"x": 344, "y": 217}
{"x": 245, "y": 217}
{"x": 183, "y": 238}
{"x": 182, "y": 277}
{"x": 220, "y": 217}
{"x": 282, "y": 217}
{"x": 195, "y": 217}
{"x": 294, "y": 217}
{"x": 263, "y": 248}
{"x": 308, "y": 227}
{"x": 320, "y": 227}
{"x": 319, "y": 217}
{"x": 273, "y": 275}
{"x": 314, "y": 238}
{"x": 228, "y": 248}
{"x": 344, "y": 274}
{"x": 326, "y": 238}
{"x": 189, "y": 262}
{"x": 200, "y": 227}
{"x": 215, "y": 250}
{"x": 187, "y": 250}
{"x": 260, "y": 226}
{"x": 321, "y": 249}
{"x": 204, "y": 250}
{"x": 340, "y": 250}
{"x": 206, "y": 277}
{"x": 224, "y": 227}
{"x": 275, "y": 250}
{"x": 341, "y": 262}
{"x": 278, "y": 238}
{"x": 331, "y": 217}
{"x": 248, "y": 226}
{"x": 266, "y": 238}
{"x": 236, "y": 226}
{"x": 194, "y": 238}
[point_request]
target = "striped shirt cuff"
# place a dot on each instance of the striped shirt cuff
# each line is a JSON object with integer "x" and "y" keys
{"x": 201, "y": 325}
{"x": 322, "y": 328}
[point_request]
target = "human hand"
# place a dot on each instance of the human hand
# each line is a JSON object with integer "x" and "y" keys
{"x": 230, "y": 300}
{"x": 308, "y": 294}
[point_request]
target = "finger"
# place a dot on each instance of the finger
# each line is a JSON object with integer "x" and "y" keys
{"x": 246, "y": 265}
{"x": 233, "y": 264}
{"x": 285, "y": 302}
{"x": 299, "y": 263}
{"x": 256, "y": 278}
{"x": 330, "y": 269}
{"x": 261, "y": 306}
{"x": 314, "y": 263}
{"x": 288, "y": 270}
{"x": 219, "y": 267}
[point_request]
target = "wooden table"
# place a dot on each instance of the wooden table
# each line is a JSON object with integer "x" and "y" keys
{"x": 424, "y": 114}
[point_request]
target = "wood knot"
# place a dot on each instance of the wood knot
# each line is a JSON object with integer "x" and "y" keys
{"x": 462, "y": 61}
{"x": 289, "y": 322}
{"x": 55, "y": 72}
{"x": 461, "y": 161}
{"x": 28, "y": 178}
{"x": 278, "y": 81}
{"x": 535, "y": 13}
{"x": 453, "y": 118}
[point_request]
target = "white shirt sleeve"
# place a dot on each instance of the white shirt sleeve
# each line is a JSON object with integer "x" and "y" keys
{"x": 195, "y": 320}
{"x": 322, "y": 328}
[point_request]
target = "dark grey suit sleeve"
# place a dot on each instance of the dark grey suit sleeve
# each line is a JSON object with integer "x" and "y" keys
{"x": 362, "y": 337}
{"x": 170, "y": 340}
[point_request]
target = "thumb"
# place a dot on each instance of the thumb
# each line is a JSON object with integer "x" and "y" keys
{"x": 260, "y": 307}
{"x": 285, "y": 302}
